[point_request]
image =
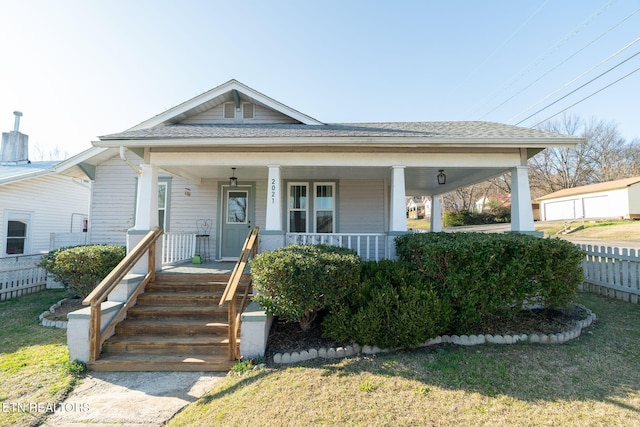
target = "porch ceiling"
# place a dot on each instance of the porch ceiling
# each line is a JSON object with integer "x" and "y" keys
{"x": 419, "y": 181}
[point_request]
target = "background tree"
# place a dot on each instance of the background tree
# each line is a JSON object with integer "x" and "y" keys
{"x": 605, "y": 156}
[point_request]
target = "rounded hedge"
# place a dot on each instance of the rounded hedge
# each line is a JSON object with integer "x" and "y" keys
{"x": 296, "y": 282}
{"x": 82, "y": 268}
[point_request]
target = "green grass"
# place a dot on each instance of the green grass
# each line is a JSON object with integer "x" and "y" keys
{"x": 593, "y": 380}
{"x": 34, "y": 365}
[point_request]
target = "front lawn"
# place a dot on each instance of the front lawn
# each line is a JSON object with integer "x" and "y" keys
{"x": 593, "y": 380}
{"x": 34, "y": 366}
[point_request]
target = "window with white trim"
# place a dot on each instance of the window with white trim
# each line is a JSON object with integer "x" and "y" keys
{"x": 162, "y": 205}
{"x": 311, "y": 213}
{"x": 18, "y": 232}
{"x": 324, "y": 206}
{"x": 297, "y": 207}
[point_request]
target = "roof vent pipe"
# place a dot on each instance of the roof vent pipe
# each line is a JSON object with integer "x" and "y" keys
{"x": 137, "y": 170}
{"x": 16, "y": 123}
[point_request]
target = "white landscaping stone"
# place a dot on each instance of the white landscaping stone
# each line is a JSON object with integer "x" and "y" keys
{"x": 498, "y": 339}
{"x": 534, "y": 338}
{"x": 348, "y": 351}
{"x": 524, "y": 337}
{"x": 356, "y": 348}
{"x": 295, "y": 357}
{"x": 277, "y": 358}
{"x": 322, "y": 353}
{"x": 553, "y": 339}
{"x": 367, "y": 349}
{"x": 544, "y": 339}
{"x": 331, "y": 353}
{"x": 446, "y": 339}
{"x": 304, "y": 355}
{"x": 340, "y": 352}
{"x": 313, "y": 353}
{"x": 286, "y": 358}
{"x": 508, "y": 339}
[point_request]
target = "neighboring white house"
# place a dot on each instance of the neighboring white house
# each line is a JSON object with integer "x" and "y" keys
{"x": 235, "y": 158}
{"x": 494, "y": 200}
{"x": 612, "y": 199}
{"x": 35, "y": 201}
{"x": 418, "y": 207}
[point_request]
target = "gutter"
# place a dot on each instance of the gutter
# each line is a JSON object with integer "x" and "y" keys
{"x": 131, "y": 165}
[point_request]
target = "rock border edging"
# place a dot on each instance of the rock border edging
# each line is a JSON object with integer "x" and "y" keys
{"x": 354, "y": 349}
{"x": 60, "y": 324}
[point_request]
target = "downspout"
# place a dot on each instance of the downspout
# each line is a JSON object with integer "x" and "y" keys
{"x": 137, "y": 170}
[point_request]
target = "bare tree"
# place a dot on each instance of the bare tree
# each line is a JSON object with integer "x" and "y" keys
{"x": 605, "y": 156}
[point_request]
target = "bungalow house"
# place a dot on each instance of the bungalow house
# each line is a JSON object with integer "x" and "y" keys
{"x": 35, "y": 201}
{"x": 233, "y": 158}
{"x": 613, "y": 199}
{"x": 494, "y": 200}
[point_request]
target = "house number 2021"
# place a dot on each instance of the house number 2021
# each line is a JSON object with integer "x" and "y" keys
{"x": 273, "y": 190}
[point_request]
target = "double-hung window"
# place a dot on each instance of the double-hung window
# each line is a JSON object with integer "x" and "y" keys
{"x": 311, "y": 213}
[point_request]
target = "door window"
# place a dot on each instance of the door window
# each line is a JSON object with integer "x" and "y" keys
{"x": 237, "y": 207}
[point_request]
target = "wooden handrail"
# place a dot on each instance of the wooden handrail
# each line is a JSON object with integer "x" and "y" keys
{"x": 96, "y": 334}
{"x": 250, "y": 248}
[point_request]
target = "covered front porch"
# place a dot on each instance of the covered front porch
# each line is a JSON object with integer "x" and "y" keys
{"x": 361, "y": 207}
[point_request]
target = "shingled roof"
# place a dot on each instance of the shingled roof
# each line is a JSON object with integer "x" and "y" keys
{"x": 434, "y": 130}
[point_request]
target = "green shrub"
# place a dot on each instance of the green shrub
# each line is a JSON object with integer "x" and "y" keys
{"x": 486, "y": 275}
{"x": 497, "y": 214}
{"x": 393, "y": 307}
{"x": 296, "y": 282}
{"x": 81, "y": 268}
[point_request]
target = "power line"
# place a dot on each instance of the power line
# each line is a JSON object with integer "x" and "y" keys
{"x": 589, "y": 96}
{"x": 575, "y": 79}
{"x": 557, "y": 45}
{"x": 555, "y": 68}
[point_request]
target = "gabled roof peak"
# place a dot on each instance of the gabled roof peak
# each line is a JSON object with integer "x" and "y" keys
{"x": 216, "y": 96}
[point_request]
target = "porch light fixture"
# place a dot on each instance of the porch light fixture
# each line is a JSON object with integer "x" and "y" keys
{"x": 233, "y": 181}
{"x": 442, "y": 178}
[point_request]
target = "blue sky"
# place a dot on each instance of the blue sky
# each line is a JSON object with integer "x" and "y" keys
{"x": 82, "y": 68}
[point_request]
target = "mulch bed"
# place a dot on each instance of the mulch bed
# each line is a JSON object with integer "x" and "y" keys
{"x": 288, "y": 337}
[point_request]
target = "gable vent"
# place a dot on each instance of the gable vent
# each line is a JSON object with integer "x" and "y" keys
{"x": 229, "y": 110}
{"x": 247, "y": 110}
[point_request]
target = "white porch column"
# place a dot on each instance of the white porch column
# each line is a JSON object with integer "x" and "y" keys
{"x": 521, "y": 210}
{"x": 436, "y": 214}
{"x": 398, "y": 201}
{"x": 274, "y": 199}
{"x": 146, "y": 216}
{"x": 147, "y": 199}
{"x": 273, "y": 237}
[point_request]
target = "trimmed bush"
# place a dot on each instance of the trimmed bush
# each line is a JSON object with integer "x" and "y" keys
{"x": 483, "y": 276}
{"x": 296, "y": 282}
{"x": 82, "y": 268}
{"x": 393, "y": 307}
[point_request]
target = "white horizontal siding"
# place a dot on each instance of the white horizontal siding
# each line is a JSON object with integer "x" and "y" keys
{"x": 191, "y": 204}
{"x": 113, "y": 202}
{"x": 361, "y": 206}
{"x": 262, "y": 115}
{"x": 57, "y": 204}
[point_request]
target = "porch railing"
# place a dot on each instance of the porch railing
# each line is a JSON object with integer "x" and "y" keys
{"x": 97, "y": 333}
{"x": 178, "y": 247}
{"x": 369, "y": 246}
{"x": 614, "y": 272}
{"x": 229, "y": 297}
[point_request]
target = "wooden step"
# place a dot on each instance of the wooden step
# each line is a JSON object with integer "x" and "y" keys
{"x": 211, "y": 287}
{"x": 170, "y": 327}
{"x": 167, "y": 344}
{"x": 204, "y": 312}
{"x": 178, "y": 299}
{"x": 133, "y": 362}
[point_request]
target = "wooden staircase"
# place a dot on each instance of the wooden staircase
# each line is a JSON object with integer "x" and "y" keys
{"x": 175, "y": 325}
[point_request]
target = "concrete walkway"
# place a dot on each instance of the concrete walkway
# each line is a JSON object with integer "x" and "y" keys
{"x": 140, "y": 399}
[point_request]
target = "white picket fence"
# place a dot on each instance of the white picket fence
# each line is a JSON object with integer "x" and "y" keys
{"x": 614, "y": 272}
{"x": 20, "y": 275}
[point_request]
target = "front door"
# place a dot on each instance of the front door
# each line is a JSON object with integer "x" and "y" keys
{"x": 237, "y": 216}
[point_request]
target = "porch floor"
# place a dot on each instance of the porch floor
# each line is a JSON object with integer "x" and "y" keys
{"x": 211, "y": 267}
